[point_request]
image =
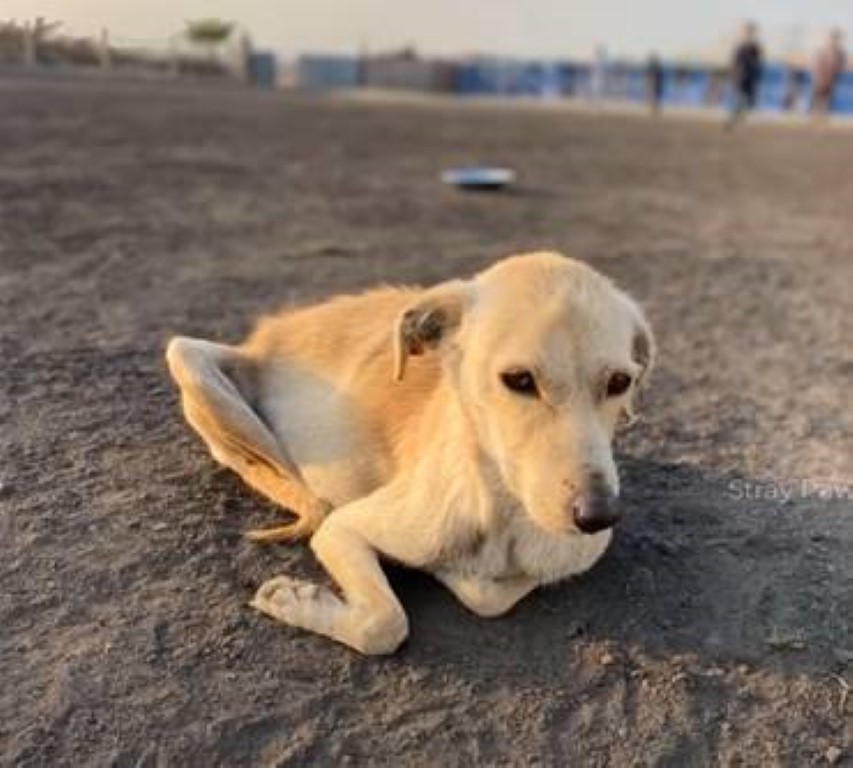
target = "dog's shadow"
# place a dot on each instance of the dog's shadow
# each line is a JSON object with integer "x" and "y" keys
{"x": 717, "y": 568}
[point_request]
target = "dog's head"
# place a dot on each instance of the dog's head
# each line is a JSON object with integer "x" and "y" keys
{"x": 547, "y": 357}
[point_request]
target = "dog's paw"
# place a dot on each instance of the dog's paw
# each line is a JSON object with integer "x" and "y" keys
{"x": 295, "y": 602}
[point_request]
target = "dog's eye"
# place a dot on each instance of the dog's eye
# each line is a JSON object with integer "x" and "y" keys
{"x": 520, "y": 381}
{"x": 618, "y": 384}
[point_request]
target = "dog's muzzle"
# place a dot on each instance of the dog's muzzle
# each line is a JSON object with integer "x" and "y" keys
{"x": 598, "y": 508}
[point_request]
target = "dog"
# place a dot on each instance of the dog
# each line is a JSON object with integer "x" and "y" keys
{"x": 464, "y": 429}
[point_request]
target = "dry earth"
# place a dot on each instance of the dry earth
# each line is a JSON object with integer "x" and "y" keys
{"x": 717, "y": 631}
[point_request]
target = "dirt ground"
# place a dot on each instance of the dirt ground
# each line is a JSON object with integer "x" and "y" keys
{"x": 717, "y": 630}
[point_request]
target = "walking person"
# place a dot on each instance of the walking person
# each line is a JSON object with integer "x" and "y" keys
{"x": 654, "y": 83}
{"x": 829, "y": 64}
{"x": 747, "y": 66}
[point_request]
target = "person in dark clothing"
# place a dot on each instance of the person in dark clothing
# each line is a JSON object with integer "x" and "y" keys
{"x": 747, "y": 65}
{"x": 654, "y": 83}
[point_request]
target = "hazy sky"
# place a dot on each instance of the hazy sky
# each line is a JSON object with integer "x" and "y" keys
{"x": 521, "y": 27}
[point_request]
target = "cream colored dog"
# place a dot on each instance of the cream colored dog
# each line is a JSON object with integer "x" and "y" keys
{"x": 464, "y": 429}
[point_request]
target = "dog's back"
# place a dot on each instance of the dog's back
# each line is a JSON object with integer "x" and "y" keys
{"x": 326, "y": 389}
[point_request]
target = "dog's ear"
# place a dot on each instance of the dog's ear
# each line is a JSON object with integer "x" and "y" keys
{"x": 643, "y": 352}
{"x": 426, "y": 323}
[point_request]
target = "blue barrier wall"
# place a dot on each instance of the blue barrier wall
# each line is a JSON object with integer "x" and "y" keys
{"x": 686, "y": 87}
{"x": 327, "y": 72}
{"x": 843, "y": 97}
{"x": 781, "y": 88}
{"x": 519, "y": 78}
{"x": 262, "y": 69}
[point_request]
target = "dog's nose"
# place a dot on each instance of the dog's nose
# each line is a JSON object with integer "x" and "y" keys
{"x": 598, "y": 508}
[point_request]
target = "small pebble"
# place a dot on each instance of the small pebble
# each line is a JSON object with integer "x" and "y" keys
{"x": 833, "y": 755}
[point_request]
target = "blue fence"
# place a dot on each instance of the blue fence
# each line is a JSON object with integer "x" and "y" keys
{"x": 263, "y": 70}
{"x": 781, "y": 89}
{"x": 843, "y": 97}
{"x": 328, "y": 72}
{"x": 518, "y": 78}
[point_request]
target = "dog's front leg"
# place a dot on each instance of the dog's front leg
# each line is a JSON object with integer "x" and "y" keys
{"x": 488, "y": 598}
{"x": 369, "y": 616}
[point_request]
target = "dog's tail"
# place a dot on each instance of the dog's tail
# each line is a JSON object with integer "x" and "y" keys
{"x": 308, "y": 519}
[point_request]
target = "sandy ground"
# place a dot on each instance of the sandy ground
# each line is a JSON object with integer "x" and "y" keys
{"x": 717, "y": 631}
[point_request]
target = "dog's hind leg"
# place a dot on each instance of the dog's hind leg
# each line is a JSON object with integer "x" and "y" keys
{"x": 218, "y": 392}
